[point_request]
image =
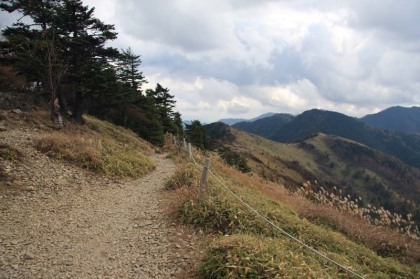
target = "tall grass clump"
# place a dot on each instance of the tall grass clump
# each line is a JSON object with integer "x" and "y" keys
{"x": 216, "y": 214}
{"x": 106, "y": 149}
{"x": 247, "y": 256}
{"x": 375, "y": 216}
{"x": 185, "y": 176}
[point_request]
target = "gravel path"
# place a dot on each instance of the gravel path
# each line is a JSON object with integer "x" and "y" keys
{"x": 57, "y": 221}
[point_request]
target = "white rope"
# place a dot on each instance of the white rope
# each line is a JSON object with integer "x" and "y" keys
{"x": 277, "y": 227}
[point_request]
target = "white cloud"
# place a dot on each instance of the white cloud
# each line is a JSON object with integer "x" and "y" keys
{"x": 228, "y": 58}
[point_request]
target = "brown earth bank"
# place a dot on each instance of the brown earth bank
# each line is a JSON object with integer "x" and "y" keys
{"x": 60, "y": 221}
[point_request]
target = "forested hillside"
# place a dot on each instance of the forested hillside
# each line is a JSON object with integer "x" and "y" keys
{"x": 401, "y": 119}
{"x": 62, "y": 57}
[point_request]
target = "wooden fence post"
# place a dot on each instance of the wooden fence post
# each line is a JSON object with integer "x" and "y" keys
{"x": 185, "y": 144}
{"x": 190, "y": 152}
{"x": 203, "y": 181}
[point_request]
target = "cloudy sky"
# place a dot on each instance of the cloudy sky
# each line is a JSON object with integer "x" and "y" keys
{"x": 243, "y": 58}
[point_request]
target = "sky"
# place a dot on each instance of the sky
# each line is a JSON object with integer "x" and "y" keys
{"x": 243, "y": 58}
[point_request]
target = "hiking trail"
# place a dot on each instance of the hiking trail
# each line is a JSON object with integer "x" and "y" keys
{"x": 59, "y": 221}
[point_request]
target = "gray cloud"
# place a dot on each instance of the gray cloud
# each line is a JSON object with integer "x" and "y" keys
{"x": 395, "y": 18}
{"x": 289, "y": 55}
{"x": 225, "y": 58}
{"x": 179, "y": 24}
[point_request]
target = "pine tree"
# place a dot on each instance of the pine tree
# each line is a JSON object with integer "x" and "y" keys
{"x": 153, "y": 130}
{"x": 65, "y": 41}
{"x": 179, "y": 125}
{"x": 84, "y": 39}
{"x": 165, "y": 103}
{"x": 35, "y": 46}
{"x": 196, "y": 134}
{"x": 128, "y": 70}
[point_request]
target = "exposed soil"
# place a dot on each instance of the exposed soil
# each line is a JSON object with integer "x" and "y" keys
{"x": 59, "y": 221}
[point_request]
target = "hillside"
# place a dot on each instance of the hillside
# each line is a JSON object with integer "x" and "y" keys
{"x": 359, "y": 171}
{"x": 246, "y": 246}
{"x": 400, "y": 119}
{"x": 309, "y": 123}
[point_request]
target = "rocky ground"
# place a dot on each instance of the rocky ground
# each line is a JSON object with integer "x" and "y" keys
{"x": 58, "y": 221}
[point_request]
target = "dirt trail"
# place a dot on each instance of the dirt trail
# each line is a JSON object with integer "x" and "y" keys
{"x": 61, "y": 222}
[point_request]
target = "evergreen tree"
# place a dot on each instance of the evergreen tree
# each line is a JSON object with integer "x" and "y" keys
{"x": 178, "y": 125}
{"x": 84, "y": 39}
{"x": 63, "y": 50}
{"x": 128, "y": 70}
{"x": 65, "y": 41}
{"x": 155, "y": 131}
{"x": 35, "y": 47}
{"x": 165, "y": 103}
{"x": 197, "y": 135}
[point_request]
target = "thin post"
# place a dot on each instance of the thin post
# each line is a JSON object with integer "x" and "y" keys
{"x": 189, "y": 151}
{"x": 203, "y": 181}
{"x": 185, "y": 144}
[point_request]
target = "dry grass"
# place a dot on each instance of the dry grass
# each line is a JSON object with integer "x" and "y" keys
{"x": 375, "y": 216}
{"x": 185, "y": 176}
{"x": 312, "y": 223}
{"x": 383, "y": 240}
{"x": 98, "y": 146}
{"x": 10, "y": 153}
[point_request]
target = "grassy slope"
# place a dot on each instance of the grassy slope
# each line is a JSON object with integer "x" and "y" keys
{"x": 334, "y": 161}
{"x": 97, "y": 146}
{"x": 249, "y": 248}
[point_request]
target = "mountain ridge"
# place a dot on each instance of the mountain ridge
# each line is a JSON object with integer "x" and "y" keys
{"x": 397, "y": 118}
{"x": 403, "y": 146}
{"x": 233, "y": 121}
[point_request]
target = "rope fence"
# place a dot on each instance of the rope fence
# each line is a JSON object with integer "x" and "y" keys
{"x": 203, "y": 188}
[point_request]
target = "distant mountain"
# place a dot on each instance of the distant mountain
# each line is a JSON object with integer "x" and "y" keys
{"x": 310, "y": 123}
{"x": 400, "y": 119}
{"x": 265, "y": 126}
{"x": 315, "y": 121}
{"x": 233, "y": 121}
